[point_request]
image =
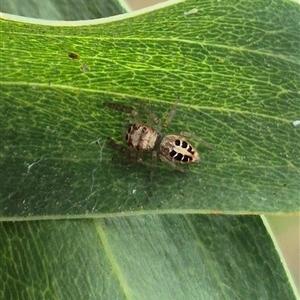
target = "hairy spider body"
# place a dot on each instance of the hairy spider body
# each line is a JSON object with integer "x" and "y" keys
{"x": 173, "y": 147}
{"x": 141, "y": 137}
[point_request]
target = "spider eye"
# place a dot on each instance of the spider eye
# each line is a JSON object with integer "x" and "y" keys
{"x": 177, "y": 142}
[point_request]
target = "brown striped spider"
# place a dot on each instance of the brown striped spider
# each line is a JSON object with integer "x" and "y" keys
{"x": 173, "y": 149}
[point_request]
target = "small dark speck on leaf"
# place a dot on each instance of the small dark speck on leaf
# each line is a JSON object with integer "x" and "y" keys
{"x": 73, "y": 55}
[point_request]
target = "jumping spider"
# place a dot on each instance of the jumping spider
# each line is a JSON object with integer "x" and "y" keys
{"x": 173, "y": 149}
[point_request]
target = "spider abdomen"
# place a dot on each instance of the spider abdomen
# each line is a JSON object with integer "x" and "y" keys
{"x": 177, "y": 149}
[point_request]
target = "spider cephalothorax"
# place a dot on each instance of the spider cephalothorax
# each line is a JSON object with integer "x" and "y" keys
{"x": 141, "y": 137}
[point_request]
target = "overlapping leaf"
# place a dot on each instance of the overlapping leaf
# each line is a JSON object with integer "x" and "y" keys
{"x": 155, "y": 257}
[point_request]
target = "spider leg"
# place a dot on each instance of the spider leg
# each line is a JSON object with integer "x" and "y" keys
{"x": 153, "y": 166}
{"x": 137, "y": 118}
{"x": 196, "y": 138}
{"x": 128, "y": 154}
{"x": 119, "y": 107}
{"x": 152, "y": 117}
{"x": 135, "y": 114}
{"x": 170, "y": 163}
{"x": 172, "y": 113}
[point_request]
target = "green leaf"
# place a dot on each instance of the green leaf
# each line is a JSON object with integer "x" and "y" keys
{"x": 236, "y": 69}
{"x": 141, "y": 257}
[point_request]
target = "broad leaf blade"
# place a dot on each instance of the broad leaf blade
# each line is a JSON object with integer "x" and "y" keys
{"x": 239, "y": 94}
{"x": 142, "y": 257}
